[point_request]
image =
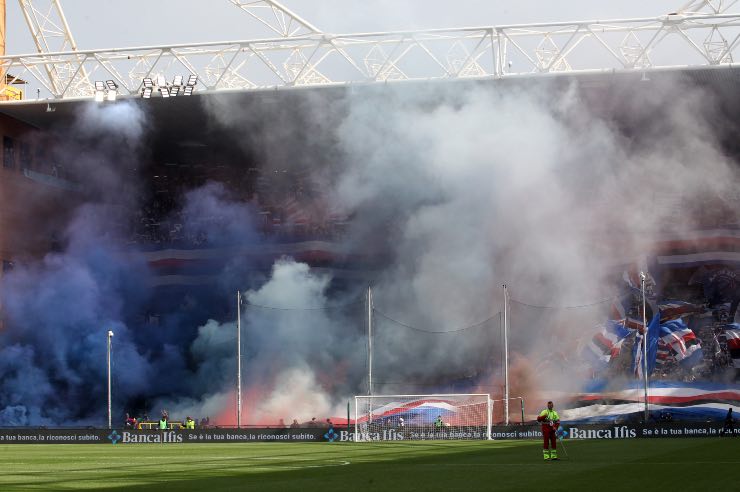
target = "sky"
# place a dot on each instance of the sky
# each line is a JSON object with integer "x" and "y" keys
{"x": 105, "y": 24}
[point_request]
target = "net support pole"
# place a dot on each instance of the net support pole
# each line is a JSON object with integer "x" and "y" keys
{"x": 238, "y": 359}
{"x": 347, "y": 415}
{"x": 506, "y": 356}
{"x": 522, "y": 402}
{"x": 356, "y": 429}
{"x": 489, "y": 417}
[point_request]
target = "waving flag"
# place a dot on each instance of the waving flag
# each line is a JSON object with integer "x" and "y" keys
{"x": 731, "y": 334}
{"x": 663, "y": 355}
{"x": 682, "y": 343}
{"x": 607, "y": 343}
{"x": 670, "y": 310}
{"x": 627, "y": 310}
{"x": 653, "y": 336}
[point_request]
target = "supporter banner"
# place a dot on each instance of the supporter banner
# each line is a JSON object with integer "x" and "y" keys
{"x": 128, "y": 436}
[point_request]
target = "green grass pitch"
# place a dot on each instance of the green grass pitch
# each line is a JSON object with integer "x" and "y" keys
{"x": 709, "y": 464}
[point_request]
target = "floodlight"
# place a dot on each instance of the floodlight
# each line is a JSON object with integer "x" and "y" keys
{"x": 174, "y": 91}
{"x": 99, "y": 96}
{"x": 193, "y": 79}
{"x": 161, "y": 81}
{"x": 99, "y": 85}
{"x": 188, "y": 90}
{"x": 178, "y": 80}
{"x": 111, "y": 85}
{"x": 164, "y": 92}
{"x": 148, "y": 82}
{"x": 147, "y": 93}
{"x": 111, "y": 96}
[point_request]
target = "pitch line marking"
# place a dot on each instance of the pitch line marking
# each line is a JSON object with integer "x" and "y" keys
{"x": 566, "y": 460}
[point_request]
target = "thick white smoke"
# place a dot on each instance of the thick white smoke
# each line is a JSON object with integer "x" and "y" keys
{"x": 294, "y": 343}
{"x": 467, "y": 187}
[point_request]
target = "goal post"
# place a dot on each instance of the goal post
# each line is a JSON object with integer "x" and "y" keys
{"x": 422, "y": 417}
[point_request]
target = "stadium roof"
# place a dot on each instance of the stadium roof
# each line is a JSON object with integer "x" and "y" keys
{"x": 185, "y": 115}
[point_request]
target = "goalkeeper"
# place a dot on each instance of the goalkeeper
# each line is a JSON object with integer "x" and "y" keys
{"x": 550, "y": 423}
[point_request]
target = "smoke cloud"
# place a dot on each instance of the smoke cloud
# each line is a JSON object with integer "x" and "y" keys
{"x": 454, "y": 189}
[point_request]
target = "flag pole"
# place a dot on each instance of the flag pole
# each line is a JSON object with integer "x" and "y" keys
{"x": 644, "y": 345}
{"x": 506, "y": 356}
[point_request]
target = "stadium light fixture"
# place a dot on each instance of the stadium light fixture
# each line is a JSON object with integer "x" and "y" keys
{"x": 148, "y": 83}
{"x": 506, "y": 354}
{"x": 174, "y": 91}
{"x": 193, "y": 79}
{"x": 111, "y": 85}
{"x": 161, "y": 81}
{"x": 111, "y": 95}
{"x": 645, "y": 329}
{"x": 99, "y": 85}
{"x": 110, "y": 336}
{"x": 147, "y": 93}
{"x": 188, "y": 90}
{"x": 99, "y": 96}
{"x": 177, "y": 80}
{"x": 165, "y": 93}
{"x": 238, "y": 359}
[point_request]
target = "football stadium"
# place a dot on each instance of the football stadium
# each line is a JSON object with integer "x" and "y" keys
{"x": 393, "y": 260}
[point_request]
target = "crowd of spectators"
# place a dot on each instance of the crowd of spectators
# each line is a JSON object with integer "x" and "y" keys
{"x": 153, "y": 226}
{"x": 144, "y": 422}
{"x": 313, "y": 423}
{"x": 297, "y": 210}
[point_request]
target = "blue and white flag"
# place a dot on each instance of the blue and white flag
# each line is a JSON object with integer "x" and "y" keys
{"x": 653, "y": 335}
{"x": 682, "y": 343}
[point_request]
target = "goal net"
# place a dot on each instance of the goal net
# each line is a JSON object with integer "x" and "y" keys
{"x": 422, "y": 417}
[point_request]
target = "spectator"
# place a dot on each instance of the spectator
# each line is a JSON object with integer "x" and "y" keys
{"x": 729, "y": 424}
{"x": 329, "y": 423}
{"x": 281, "y": 423}
{"x": 295, "y": 424}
